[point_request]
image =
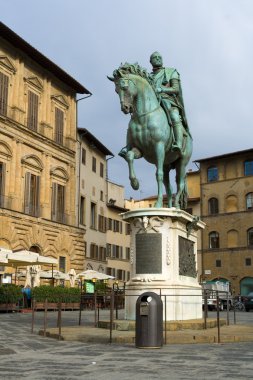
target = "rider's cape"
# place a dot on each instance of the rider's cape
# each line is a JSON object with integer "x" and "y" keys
{"x": 164, "y": 77}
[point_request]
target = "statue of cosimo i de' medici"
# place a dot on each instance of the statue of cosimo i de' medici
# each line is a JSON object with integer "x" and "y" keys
{"x": 158, "y": 129}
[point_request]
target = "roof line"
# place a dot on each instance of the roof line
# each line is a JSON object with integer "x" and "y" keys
{"x": 13, "y": 38}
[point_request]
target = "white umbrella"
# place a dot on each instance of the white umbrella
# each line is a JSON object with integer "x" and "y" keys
{"x": 90, "y": 274}
{"x": 56, "y": 274}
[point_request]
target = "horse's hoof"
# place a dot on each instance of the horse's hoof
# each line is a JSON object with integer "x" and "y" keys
{"x": 135, "y": 183}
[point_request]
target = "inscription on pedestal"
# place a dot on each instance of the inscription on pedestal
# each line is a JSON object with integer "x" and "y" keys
{"x": 187, "y": 262}
{"x": 148, "y": 253}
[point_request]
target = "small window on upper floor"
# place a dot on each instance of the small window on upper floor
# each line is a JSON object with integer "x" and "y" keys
{"x": 250, "y": 237}
{"x": 101, "y": 170}
{"x": 213, "y": 206}
{"x": 248, "y": 167}
{"x": 218, "y": 263}
{"x": 248, "y": 261}
{"x": 212, "y": 174}
{"x": 94, "y": 164}
{"x": 214, "y": 240}
{"x": 83, "y": 156}
{"x": 249, "y": 201}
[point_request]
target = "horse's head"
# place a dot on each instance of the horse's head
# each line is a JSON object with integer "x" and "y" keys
{"x": 126, "y": 89}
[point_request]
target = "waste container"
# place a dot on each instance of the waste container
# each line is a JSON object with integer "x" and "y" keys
{"x": 149, "y": 321}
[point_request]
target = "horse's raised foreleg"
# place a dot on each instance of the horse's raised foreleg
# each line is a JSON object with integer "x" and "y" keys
{"x": 130, "y": 156}
{"x": 181, "y": 196}
{"x": 160, "y": 154}
{"x": 167, "y": 185}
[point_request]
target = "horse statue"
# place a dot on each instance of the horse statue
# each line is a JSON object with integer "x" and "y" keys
{"x": 150, "y": 135}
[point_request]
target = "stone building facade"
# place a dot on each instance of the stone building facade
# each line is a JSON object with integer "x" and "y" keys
{"x": 100, "y": 204}
{"x": 226, "y": 193}
{"x": 38, "y": 154}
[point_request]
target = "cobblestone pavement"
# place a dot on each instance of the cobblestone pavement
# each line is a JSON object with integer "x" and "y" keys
{"x": 26, "y": 355}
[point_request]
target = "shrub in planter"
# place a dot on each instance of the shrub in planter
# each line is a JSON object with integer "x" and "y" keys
{"x": 56, "y": 294}
{"x": 11, "y": 294}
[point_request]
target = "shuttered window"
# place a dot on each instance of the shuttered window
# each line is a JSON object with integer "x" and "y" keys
{"x": 58, "y": 203}
{"x": 59, "y": 123}
{"x": 2, "y": 183}
{"x": 32, "y": 194}
{"x": 33, "y": 108}
{"x": 4, "y": 83}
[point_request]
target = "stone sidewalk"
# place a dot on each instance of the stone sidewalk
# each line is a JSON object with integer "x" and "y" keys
{"x": 33, "y": 357}
{"x": 88, "y": 334}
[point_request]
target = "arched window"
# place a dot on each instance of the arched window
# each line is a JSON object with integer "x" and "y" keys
{"x": 232, "y": 238}
{"x": 214, "y": 240}
{"x": 212, "y": 174}
{"x": 231, "y": 203}
{"x": 250, "y": 237}
{"x": 213, "y": 206}
{"x": 249, "y": 201}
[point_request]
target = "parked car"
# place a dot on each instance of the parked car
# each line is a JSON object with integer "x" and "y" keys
{"x": 248, "y": 301}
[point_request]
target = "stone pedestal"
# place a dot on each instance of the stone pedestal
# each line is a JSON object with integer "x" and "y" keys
{"x": 164, "y": 260}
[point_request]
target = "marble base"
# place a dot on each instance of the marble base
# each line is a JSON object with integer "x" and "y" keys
{"x": 164, "y": 260}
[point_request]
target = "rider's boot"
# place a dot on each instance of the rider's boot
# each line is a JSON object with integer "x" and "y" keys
{"x": 178, "y": 133}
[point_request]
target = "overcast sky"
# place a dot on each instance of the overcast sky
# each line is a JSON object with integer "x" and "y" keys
{"x": 208, "y": 41}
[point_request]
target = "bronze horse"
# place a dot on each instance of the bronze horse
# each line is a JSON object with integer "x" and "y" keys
{"x": 149, "y": 134}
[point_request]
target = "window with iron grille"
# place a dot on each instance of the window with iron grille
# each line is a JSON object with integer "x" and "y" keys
{"x": 4, "y": 84}
{"x": 32, "y": 194}
{"x": 62, "y": 264}
{"x": 58, "y": 203}
{"x": 32, "y": 112}
{"x": 59, "y": 126}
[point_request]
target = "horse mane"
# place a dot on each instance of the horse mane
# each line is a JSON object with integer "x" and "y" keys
{"x": 133, "y": 68}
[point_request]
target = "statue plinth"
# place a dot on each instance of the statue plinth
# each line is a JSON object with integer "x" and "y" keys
{"x": 163, "y": 254}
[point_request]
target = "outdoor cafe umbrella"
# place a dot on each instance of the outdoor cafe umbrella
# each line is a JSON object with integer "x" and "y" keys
{"x": 56, "y": 274}
{"x": 92, "y": 274}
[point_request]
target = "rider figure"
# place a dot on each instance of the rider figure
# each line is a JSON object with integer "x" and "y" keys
{"x": 167, "y": 85}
